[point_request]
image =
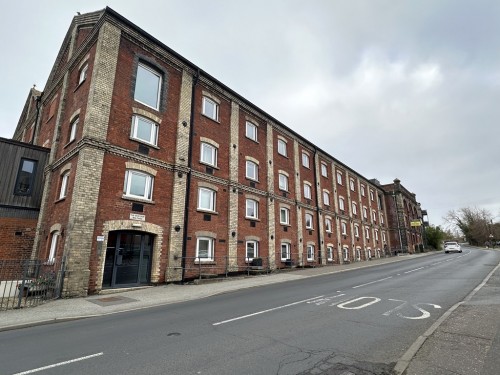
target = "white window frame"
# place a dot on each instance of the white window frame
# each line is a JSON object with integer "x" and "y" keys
{"x": 309, "y": 217}
{"x": 307, "y": 191}
{"x": 345, "y": 253}
{"x": 339, "y": 178}
{"x": 328, "y": 225}
{"x": 215, "y": 108}
{"x": 83, "y": 74}
{"x": 286, "y": 218}
{"x": 158, "y": 92}
{"x": 73, "y": 128}
{"x": 212, "y": 152}
{"x": 53, "y": 247}
{"x": 252, "y": 134}
{"x": 255, "y": 250}
{"x": 252, "y": 204}
{"x": 326, "y": 198}
{"x": 63, "y": 192}
{"x": 341, "y": 204}
{"x": 372, "y": 195}
{"x": 365, "y": 212}
{"x": 148, "y": 184}
{"x": 253, "y": 168}
{"x": 382, "y": 219}
{"x": 282, "y": 147}
{"x": 383, "y": 237}
{"x": 285, "y": 246}
{"x": 354, "y": 208}
{"x": 310, "y": 252}
{"x": 329, "y": 253}
{"x": 367, "y": 233}
{"x": 343, "y": 227}
{"x": 374, "y": 216}
{"x": 324, "y": 169}
{"x": 210, "y": 250}
{"x": 351, "y": 184}
{"x": 356, "y": 231}
{"x": 153, "y": 132}
{"x": 204, "y": 192}
{"x": 363, "y": 190}
{"x": 283, "y": 182}
{"x": 376, "y": 234}
{"x": 305, "y": 160}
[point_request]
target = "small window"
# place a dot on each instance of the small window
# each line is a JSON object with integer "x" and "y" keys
{"x": 251, "y": 131}
{"x": 25, "y": 177}
{"x": 72, "y": 130}
{"x": 284, "y": 216}
{"x": 282, "y": 147}
{"x": 283, "y": 182}
{"x": 206, "y": 199}
{"x": 339, "y": 178}
{"x": 210, "y": 108}
{"x": 365, "y": 212}
{"x": 64, "y": 185}
{"x": 252, "y": 170}
{"x": 326, "y": 198}
{"x": 382, "y": 219}
{"x": 83, "y": 74}
{"x": 204, "y": 249}
{"x": 354, "y": 208}
{"x": 362, "y": 190}
{"x": 374, "y": 216}
{"x": 324, "y": 170}
{"x": 310, "y": 252}
{"x": 53, "y": 247}
{"x": 351, "y": 184}
{"x": 341, "y": 204}
{"x": 329, "y": 253}
{"x": 383, "y": 236}
{"x": 328, "y": 225}
{"x": 367, "y": 233}
{"x": 305, "y": 160}
{"x": 144, "y": 130}
{"x": 343, "y": 226}
{"x": 252, "y": 250}
{"x": 356, "y": 230}
{"x": 372, "y": 196}
{"x": 307, "y": 191}
{"x": 208, "y": 154}
{"x": 285, "y": 251}
{"x": 252, "y": 209}
{"x": 376, "y": 234}
{"x": 147, "y": 86}
{"x": 309, "y": 221}
{"x": 345, "y": 252}
{"x": 138, "y": 185}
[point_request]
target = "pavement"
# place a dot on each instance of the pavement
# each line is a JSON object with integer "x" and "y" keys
{"x": 465, "y": 340}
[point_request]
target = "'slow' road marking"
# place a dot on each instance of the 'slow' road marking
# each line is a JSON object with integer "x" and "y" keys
{"x": 264, "y": 311}
{"x": 416, "y": 269}
{"x": 371, "y": 282}
{"x": 59, "y": 364}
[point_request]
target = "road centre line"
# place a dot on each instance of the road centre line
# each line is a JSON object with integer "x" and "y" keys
{"x": 264, "y": 311}
{"x": 59, "y": 364}
{"x": 416, "y": 269}
{"x": 371, "y": 282}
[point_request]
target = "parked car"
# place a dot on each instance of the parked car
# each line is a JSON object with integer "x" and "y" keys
{"x": 452, "y": 246}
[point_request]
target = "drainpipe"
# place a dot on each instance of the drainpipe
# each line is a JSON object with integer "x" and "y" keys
{"x": 397, "y": 217}
{"x": 38, "y": 99}
{"x": 188, "y": 176}
{"x": 318, "y": 186}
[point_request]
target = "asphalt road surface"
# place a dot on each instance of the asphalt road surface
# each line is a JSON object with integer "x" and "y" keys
{"x": 357, "y": 322}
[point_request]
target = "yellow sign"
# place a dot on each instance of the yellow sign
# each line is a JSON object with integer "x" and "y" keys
{"x": 415, "y": 223}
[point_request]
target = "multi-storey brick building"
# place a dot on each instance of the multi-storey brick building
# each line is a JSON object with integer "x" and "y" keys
{"x": 158, "y": 172}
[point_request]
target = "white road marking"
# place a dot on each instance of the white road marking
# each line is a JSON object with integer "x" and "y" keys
{"x": 416, "y": 269}
{"x": 373, "y": 300}
{"x": 264, "y": 311}
{"x": 396, "y": 308}
{"x": 371, "y": 282}
{"x": 59, "y": 364}
{"x": 425, "y": 313}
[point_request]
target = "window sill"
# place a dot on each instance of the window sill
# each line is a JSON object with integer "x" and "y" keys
{"x": 209, "y": 165}
{"x": 210, "y": 118}
{"x": 70, "y": 142}
{"x": 137, "y": 199}
{"x": 203, "y": 261}
{"x": 60, "y": 199}
{"x": 252, "y": 180}
{"x": 202, "y": 210}
{"x": 144, "y": 143}
{"x": 252, "y": 218}
{"x": 79, "y": 84}
{"x": 253, "y": 140}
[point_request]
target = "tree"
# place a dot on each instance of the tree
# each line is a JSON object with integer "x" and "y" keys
{"x": 474, "y": 223}
{"x": 435, "y": 236}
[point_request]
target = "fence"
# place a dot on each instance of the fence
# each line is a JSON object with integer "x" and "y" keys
{"x": 27, "y": 283}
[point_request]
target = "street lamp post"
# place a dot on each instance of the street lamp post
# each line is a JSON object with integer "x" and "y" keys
{"x": 492, "y": 243}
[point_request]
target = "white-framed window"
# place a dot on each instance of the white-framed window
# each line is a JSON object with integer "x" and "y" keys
{"x": 328, "y": 225}
{"x": 310, "y": 252}
{"x": 365, "y": 212}
{"x": 282, "y": 147}
{"x": 351, "y": 184}
{"x": 53, "y": 247}
{"x": 345, "y": 252}
{"x": 339, "y": 178}
{"x": 376, "y": 234}
{"x": 383, "y": 237}
{"x": 206, "y": 199}
{"x": 307, "y": 191}
{"x": 283, "y": 182}
{"x": 372, "y": 196}
{"x": 382, "y": 219}
{"x": 354, "y": 208}
{"x": 324, "y": 170}
{"x": 252, "y": 250}
{"x": 367, "y": 233}
{"x": 305, "y": 160}
{"x": 326, "y": 198}
{"x": 205, "y": 249}
{"x": 72, "y": 129}
{"x": 208, "y": 154}
{"x": 374, "y": 216}
{"x": 147, "y": 86}
{"x": 362, "y": 190}
{"x": 309, "y": 221}
{"x": 343, "y": 227}
{"x": 284, "y": 216}
{"x": 64, "y": 185}
{"x": 252, "y": 170}
{"x": 285, "y": 251}
{"x": 251, "y": 131}
{"x": 210, "y": 108}
{"x": 341, "y": 204}
{"x": 252, "y": 209}
{"x": 329, "y": 253}
{"x": 138, "y": 185}
{"x": 83, "y": 73}
{"x": 356, "y": 230}
{"x": 144, "y": 130}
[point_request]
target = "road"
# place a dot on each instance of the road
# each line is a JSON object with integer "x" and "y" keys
{"x": 360, "y": 321}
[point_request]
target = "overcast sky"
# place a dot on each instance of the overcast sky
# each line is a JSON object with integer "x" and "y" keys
{"x": 392, "y": 88}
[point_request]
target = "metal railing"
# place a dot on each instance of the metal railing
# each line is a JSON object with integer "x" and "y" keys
{"x": 28, "y": 283}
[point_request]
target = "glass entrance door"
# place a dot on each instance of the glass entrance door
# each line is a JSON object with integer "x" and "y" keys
{"x": 128, "y": 259}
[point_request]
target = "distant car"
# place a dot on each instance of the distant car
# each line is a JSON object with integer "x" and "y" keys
{"x": 452, "y": 246}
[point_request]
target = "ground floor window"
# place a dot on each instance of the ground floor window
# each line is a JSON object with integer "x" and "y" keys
{"x": 251, "y": 250}
{"x": 285, "y": 251}
{"x": 205, "y": 249}
{"x": 310, "y": 252}
{"x": 329, "y": 253}
{"x": 345, "y": 252}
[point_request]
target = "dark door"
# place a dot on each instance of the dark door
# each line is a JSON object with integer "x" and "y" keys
{"x": 128, "y": 259}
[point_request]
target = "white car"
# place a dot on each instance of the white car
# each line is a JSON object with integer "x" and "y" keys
{"x": 452, "y": 246}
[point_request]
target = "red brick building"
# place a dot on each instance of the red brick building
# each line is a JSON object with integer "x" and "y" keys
{"x": 158, "y": 172}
